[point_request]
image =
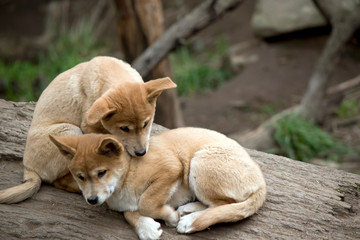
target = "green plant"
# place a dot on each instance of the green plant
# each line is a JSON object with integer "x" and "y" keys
{"x": 301, "y": 140}
{"x": 19, "y": 79}
{"x": 268, "y": 109}
{"x": 221, "y": 48}
{"x": 24, "y": 81}
{"x": 193, "y": 74}
{"x": 72, "y": 47}
{"x": 347, "y": 109}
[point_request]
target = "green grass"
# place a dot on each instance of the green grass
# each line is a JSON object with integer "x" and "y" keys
{"x": 268, "y": 109}
{"x": 24, "y": 81}
{"x": 194, "y": 73}
{"x": 347, "y": 109}
{"x": 301, "y": 140}
{"x": 19, "y": 79}
{"x": 71, "y": 48}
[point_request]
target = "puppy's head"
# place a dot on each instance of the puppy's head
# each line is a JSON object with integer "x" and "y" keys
{"x": 97, "y": 163}
{"x": 128, "y": 112}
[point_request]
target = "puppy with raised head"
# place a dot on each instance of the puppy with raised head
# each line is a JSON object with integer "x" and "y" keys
{"x": 104, "y": 95}
{"x": 181, "y": 165}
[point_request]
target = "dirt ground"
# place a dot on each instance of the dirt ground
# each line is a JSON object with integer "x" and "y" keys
{"x": 278, "y": 79}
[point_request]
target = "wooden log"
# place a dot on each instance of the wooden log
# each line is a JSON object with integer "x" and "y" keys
{"x": 304, "y": 201}
{"x": 15, "y": 119}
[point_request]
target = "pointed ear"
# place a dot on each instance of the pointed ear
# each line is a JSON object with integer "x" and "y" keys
{"x": 109, "y": 146}
{"x": 155, "y": 87}
{"x": 66, "y": 145}
{"x": 99, "y": 110}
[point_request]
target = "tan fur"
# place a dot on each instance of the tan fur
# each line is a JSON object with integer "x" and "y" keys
{"x": 182, "y": 165}
{"x": 102, "y": 96}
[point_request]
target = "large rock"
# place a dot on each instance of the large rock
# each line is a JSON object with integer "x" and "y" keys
{"x": 275, "y": 17}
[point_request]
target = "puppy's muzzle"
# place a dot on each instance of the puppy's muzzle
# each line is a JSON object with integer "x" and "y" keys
{"x": 140, "y": 152}
{"x": 93, "y": 200}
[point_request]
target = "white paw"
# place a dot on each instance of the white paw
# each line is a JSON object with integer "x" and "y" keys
{"x": 185, "y": 222}
{"x": 183, "y": 210}
{"x": 148, "y": 228}
{"x": 190, "y": 208}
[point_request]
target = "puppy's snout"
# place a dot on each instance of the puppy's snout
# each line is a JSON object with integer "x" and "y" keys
{"x": 140, "y": 152}
{"x": 93, "y": 200}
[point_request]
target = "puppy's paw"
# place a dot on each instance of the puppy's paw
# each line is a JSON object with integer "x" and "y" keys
{"x": 186, "y": 221}
{"x": 182, "y": 210}
{"x": 148, "y": 228}
{"x": 190, "y": 208}
{"x": 173, "y": 220}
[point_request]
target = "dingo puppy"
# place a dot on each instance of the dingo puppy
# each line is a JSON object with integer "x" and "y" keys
{"x": 182, "y": 165}
{"x": 104, "y": 95}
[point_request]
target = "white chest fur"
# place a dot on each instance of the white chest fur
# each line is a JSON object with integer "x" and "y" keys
{"x": 123, "y": 201}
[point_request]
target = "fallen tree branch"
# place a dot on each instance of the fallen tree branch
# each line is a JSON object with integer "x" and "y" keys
{"x": 304, "y": 201}
{"x": 262, "y": 137}
{"x": 346, "y": 122}
{"x": 343, "y": 87}
{"x": 196, "y": 20}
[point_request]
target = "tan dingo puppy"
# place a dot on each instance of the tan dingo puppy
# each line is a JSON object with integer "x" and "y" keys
{"x": 182, "y": 165}
{"x": 104, "y": 95}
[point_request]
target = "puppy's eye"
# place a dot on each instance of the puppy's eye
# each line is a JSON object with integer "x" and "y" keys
{"x": 101, "y": 173}
{"x": 125, "y": 129}
{"x": 145, "y": 124}
{"x": 81, "y": 177}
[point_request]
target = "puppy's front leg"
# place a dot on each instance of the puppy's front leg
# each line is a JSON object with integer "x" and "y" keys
{"x": 153, "y": 202}
{"x": 145, "y": 227}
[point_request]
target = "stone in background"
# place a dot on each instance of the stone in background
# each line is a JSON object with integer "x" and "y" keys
{"x": 276, "y": 17}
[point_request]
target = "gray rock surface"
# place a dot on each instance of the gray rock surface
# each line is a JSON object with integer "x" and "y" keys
{"x": 275, "y": 17}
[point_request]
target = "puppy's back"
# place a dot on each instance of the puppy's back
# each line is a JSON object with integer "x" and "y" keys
{"x": 192, "y": 139}
{"x": 73, "y": 92}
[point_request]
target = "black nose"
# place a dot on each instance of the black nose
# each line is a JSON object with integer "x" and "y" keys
{"x": 92, "y": 200}
{"x": 140, "y": 153}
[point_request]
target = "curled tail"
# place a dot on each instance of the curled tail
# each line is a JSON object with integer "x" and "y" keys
{"x": 31, "y": 185}
{"x": 225, "y": 213}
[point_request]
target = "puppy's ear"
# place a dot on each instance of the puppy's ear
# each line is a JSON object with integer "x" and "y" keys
{"x": 99, "y": 110}
{"x": 66, "y": 145}
{"x": 155, "y": 87}
{"x": 109, "y": 146}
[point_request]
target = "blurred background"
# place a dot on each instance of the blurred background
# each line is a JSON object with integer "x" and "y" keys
{"x": 249, "y": 66}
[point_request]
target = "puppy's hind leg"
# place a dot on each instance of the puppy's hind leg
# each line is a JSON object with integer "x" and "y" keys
{"x": 67, "y": 183}
{"x": 218, "y": 179}
{"x": 231, "y": 212}
{"x": 43, "y": 157}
